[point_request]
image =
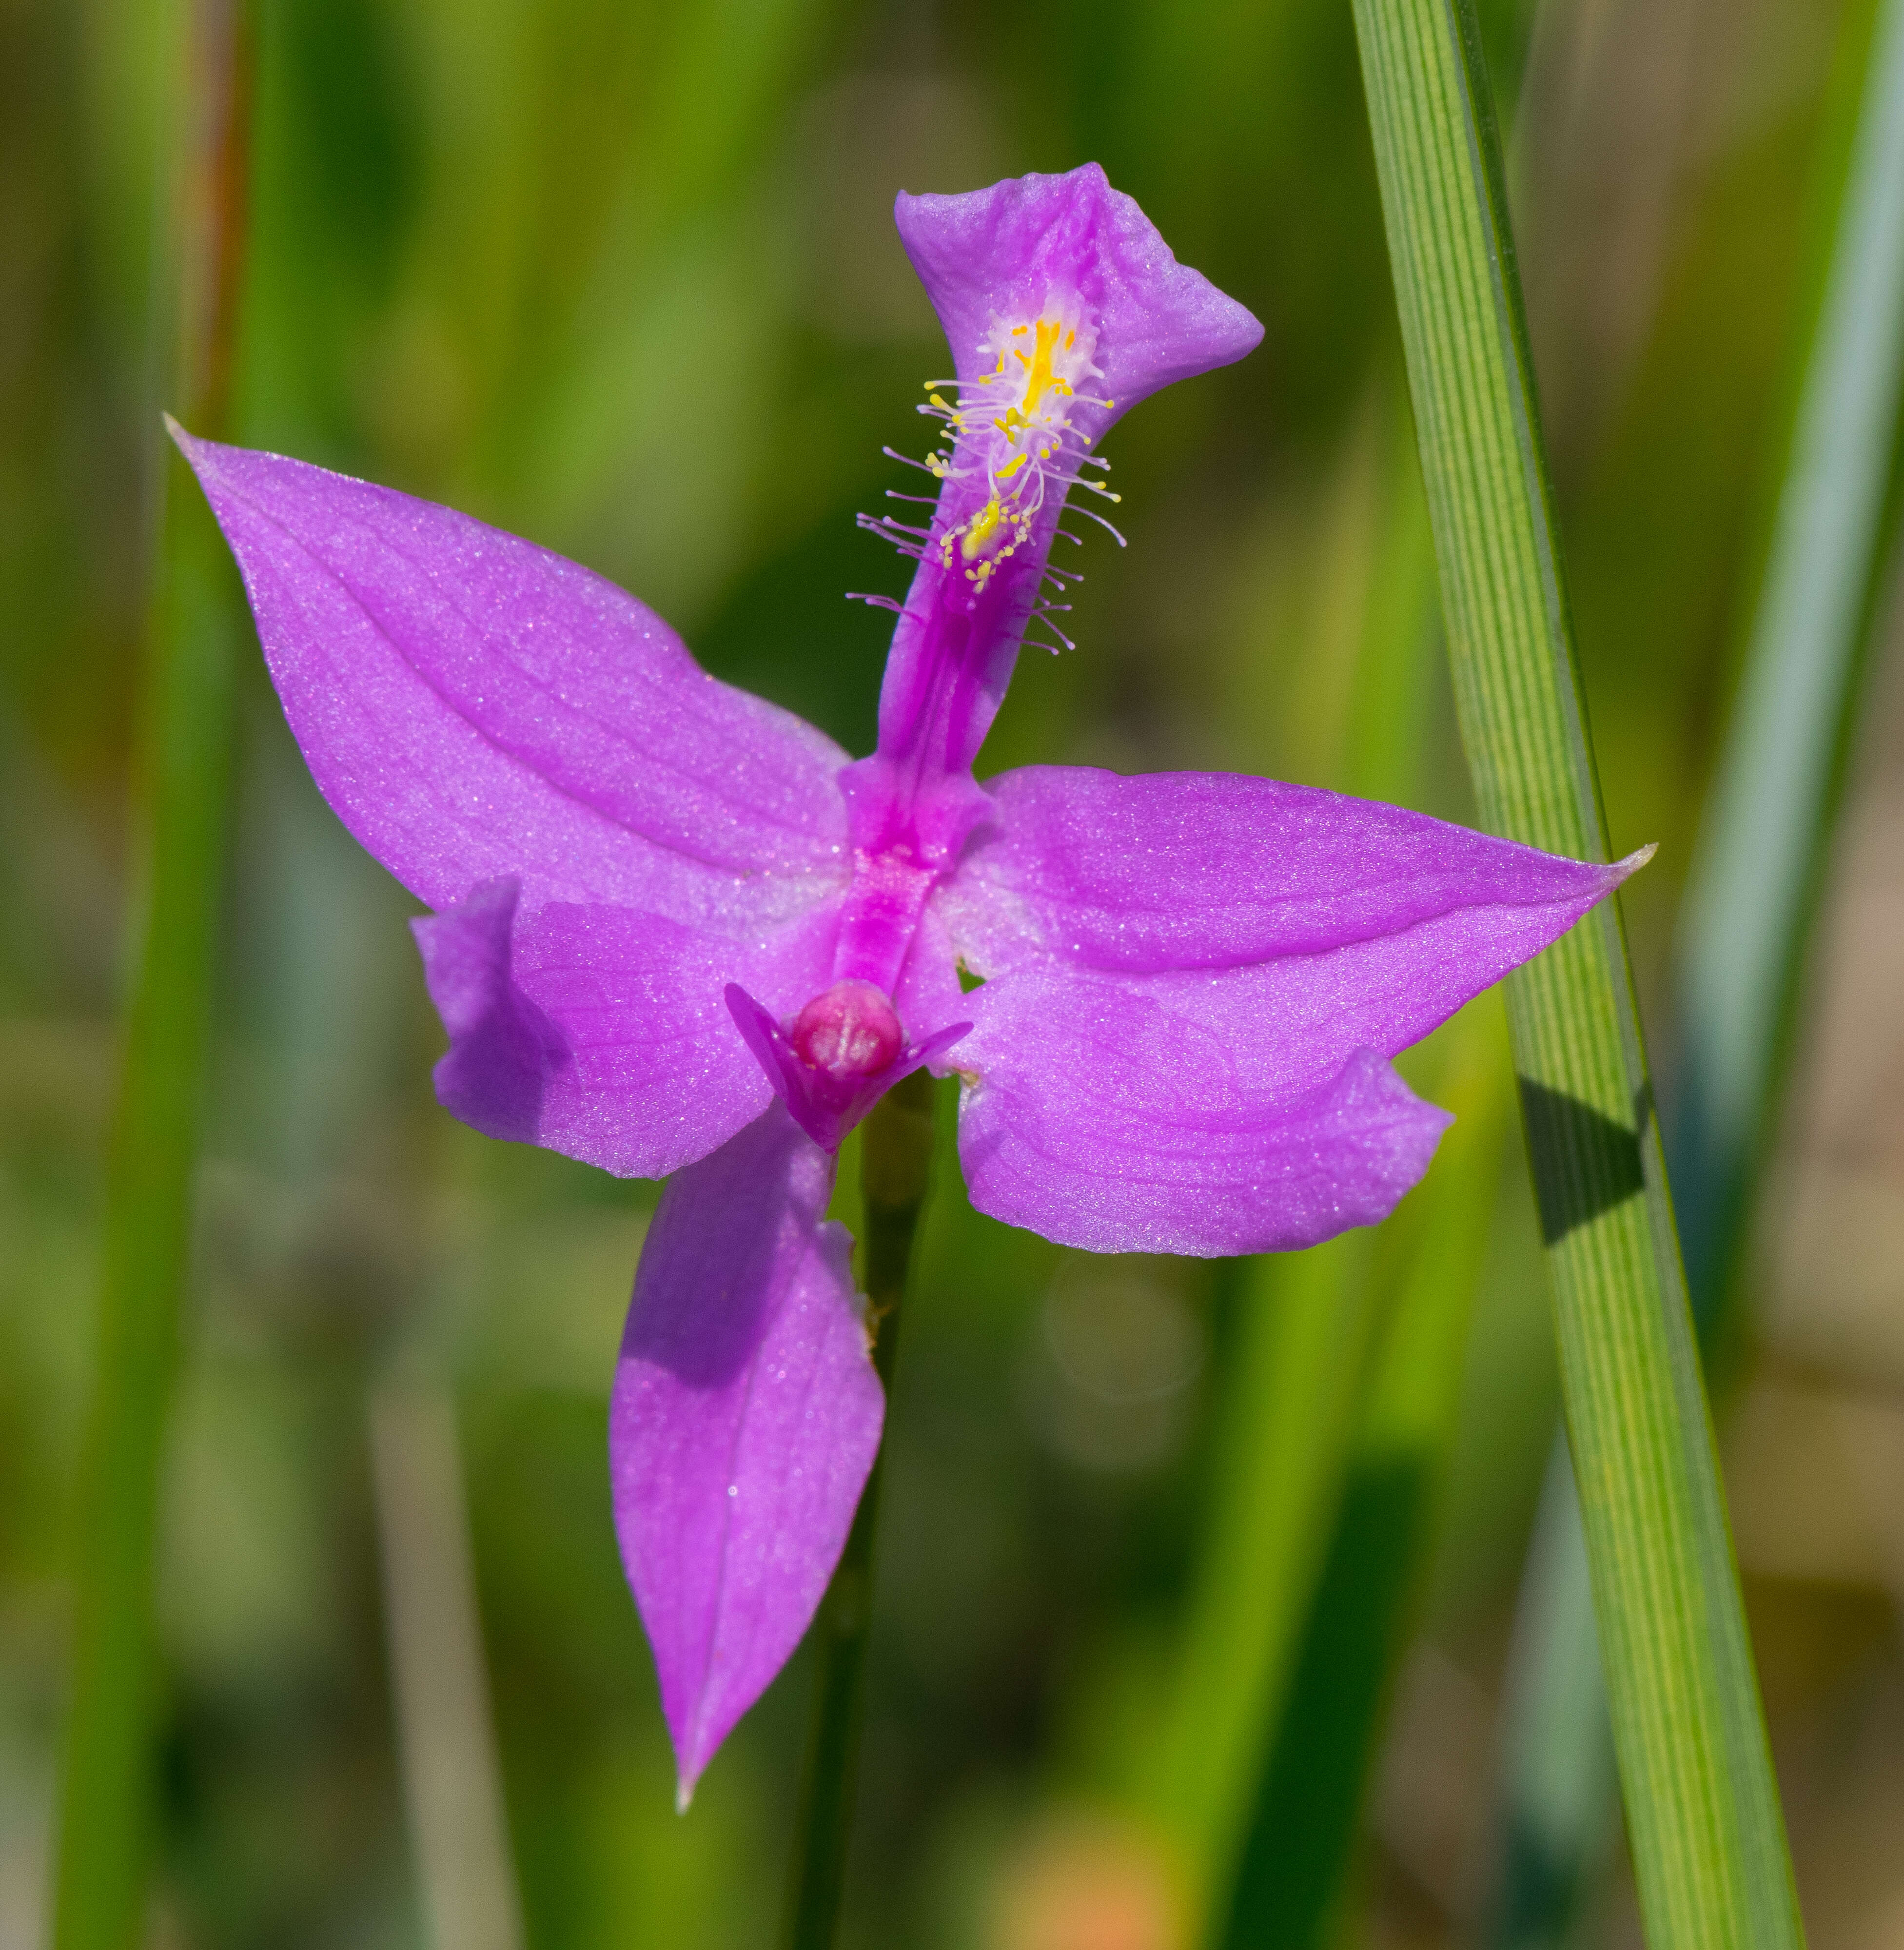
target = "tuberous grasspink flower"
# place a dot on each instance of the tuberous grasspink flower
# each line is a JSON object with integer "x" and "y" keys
{"x": 676, "y": 931}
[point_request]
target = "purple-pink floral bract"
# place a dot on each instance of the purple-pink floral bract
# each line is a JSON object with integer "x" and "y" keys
{"x": 676, "y": 930}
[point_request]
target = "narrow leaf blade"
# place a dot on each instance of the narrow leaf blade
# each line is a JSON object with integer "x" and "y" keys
{"x": 1703, "y": 1814}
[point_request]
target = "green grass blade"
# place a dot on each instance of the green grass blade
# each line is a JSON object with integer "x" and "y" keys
{"x": 1702, "y": 1804}
{"x": 1748, "y": 909}
{"x": 107, "y": 1773}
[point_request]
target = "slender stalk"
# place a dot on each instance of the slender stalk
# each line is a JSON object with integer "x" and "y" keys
{"x": 1748, "y": 908}
{"x": 453, "y": 1787}
{"x": 896, "y": 1169}
{"x": 106, "y": 1791}
{"x": 1708, "y": 1835}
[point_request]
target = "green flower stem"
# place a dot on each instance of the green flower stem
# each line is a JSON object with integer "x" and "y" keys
{"x": 1703, "y": 1813}
{"x": 106, "y": 1789}
{"x": 896, "y": 1163}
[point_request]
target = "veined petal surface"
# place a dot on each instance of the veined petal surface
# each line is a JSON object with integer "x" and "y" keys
{"x": 989, "y": 251}
{"x": 1179, "y": 1114}
{"x": 600, "y": 1032}
{"x": 1192, "y": 983}
{"x": 1217, "y": 869}
{"x": 474, "y": 706}
{"x": 743, "y": 1424}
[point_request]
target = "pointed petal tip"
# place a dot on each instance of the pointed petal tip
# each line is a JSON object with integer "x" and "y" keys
{"x": 1614, "y": 875}
{"x": 743, "y": 1423}
{"x": 742, "y": 1008}
{"x": 684, "y": 1786}
{"x": 197, "y": 453}
{"x": 207, "y": 459}
{"x": 932, "y": 1051}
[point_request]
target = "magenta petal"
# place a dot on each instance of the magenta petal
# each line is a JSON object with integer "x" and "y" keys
{"x": 760, "y": 1030}
{"x": 1216, "y": 869}
{"x": 745, "y": 1418}
{"x": 928, "y": 990}
{"x": 473, "y": 706}
{"x": 1177, "y": 1116}
{"x": 996, "y": 249}
{"x": 1191, "y": 979}
{"x": 504, "y": 1051}
{"x": 1062, "y": 306}
{"x": 599, "y": 1032}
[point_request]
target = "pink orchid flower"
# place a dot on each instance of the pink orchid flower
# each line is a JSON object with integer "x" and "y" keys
{"x": 676, "y": 930}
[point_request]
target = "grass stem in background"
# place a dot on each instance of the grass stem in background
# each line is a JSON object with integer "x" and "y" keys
{"x": 453, "y": 1791}
{"x": 1770, "y": 815}
{"x": 896, "y": 1167}
{"x": 1292, "y": 1876}
{"x": 1707, "y": 1831}
{"x": 1748, "y": 906}
{"x": 1307, "y": 1324}
{"x": 106, "y": 1782}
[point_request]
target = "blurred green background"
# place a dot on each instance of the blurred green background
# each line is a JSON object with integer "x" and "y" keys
{"x": 622, "y": 278}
